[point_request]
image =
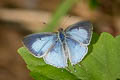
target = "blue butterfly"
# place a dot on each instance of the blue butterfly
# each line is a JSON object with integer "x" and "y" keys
{"x": 56, "y": 48}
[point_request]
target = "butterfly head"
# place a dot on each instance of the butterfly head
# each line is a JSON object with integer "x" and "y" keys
{"x": 60, "y": 29}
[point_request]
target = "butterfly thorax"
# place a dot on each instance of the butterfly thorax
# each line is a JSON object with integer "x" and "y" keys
{"x": 61, "y": 35}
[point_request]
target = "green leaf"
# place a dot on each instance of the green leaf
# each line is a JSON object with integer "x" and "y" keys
{"x": 38, "y": 67}
{"x": 101, "y": 63}
{"x": 38, "y": 76}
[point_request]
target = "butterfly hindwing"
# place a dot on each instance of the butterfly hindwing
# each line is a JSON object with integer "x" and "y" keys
{"x": 56, "y": 56}
{"x": 80, "y": 32}
{"x": 38, "y": 44}
{"x": 76, "y": 51}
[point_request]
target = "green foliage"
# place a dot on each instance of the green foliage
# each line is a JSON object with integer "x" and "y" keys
{"x": 94, "y": 4}
{"x": 101, "y": 63}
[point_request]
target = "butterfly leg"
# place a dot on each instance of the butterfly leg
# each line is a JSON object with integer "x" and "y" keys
{"x": 68, "y": 69}
{"x": 74, "y": 69}
{"x": 79, "y": 65}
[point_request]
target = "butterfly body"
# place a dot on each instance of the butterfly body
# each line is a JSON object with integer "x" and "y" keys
{"x": 57, "y": 48}
{"x": 61, "y": 35}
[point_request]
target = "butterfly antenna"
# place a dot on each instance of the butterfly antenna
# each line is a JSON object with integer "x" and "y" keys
{"x": 65, "y": 20}
{"x": 62, "y": 70}
{"x": 82, "y": 66}
{"x": 79, "y": 65}
{"x": 68, "y": 69}
{"x": 74, "y": 68}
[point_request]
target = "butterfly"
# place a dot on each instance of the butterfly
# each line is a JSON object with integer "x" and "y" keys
{"x": 57, "y": 47}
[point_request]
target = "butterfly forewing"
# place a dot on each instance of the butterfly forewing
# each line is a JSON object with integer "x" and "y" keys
{"x": 39, "y": 44}
{"x": 56, "y": 56}
{"x": 80, "y": 32}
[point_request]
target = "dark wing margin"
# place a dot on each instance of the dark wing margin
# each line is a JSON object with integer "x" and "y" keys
{"x": 38, "y": 44}
{"x": 81, "y": 31}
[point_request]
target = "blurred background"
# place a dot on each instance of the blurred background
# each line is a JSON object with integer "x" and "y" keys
{"x": 22, "y": 17}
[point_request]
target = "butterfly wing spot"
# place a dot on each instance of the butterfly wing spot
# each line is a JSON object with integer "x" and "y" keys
{"x": 39, "y": 38}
